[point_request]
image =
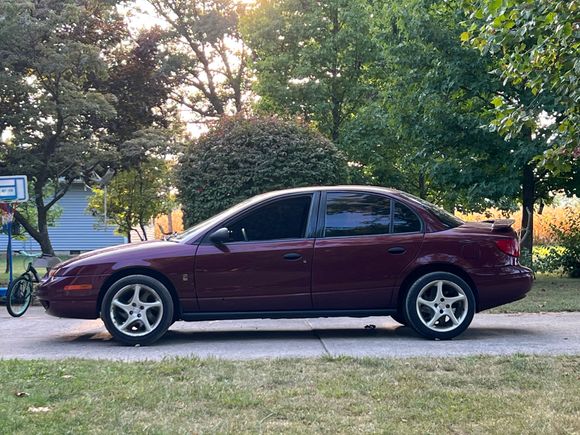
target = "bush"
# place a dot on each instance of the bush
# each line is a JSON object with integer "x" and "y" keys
{"x": 568, "y": 258}
{"x": 242, "y": 157}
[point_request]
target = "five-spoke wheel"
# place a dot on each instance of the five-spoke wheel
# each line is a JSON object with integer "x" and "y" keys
{"x": 440, "y": 305}
{"x": 137, "y": 309}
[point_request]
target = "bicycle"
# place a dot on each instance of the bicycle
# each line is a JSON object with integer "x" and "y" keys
{"x": 20, "y": 292}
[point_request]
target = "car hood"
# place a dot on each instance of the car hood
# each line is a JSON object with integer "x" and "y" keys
{"x": 137, "y": 253}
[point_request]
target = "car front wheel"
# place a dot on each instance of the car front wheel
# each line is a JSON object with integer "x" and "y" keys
{"x": 440, "y": 305}
{"x": 137, "y": 309}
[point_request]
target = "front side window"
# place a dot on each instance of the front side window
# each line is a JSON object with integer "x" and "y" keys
{"x": 281, "y": 219}
{"x": 356, "y": 214}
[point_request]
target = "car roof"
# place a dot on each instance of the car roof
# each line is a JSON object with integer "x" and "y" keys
{"x": 346, "y": 187}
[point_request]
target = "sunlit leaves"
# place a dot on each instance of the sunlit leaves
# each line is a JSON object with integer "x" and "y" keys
{"x": 537, "y": 47}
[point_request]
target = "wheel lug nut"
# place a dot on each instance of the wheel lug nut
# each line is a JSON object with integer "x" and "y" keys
{"x": 447, "y": 305}
{"x": 442, "y": 300}
{"x": 130, "y": 312}
{"x": 440, "y": 311}
{"x": 140, "y": 308}
{"x": 138, "y": 315}
{"x": 134, "y": 305}
{"x": 436, "y": 305}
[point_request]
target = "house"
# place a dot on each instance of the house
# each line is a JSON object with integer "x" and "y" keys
{"x": 75, "y": 231}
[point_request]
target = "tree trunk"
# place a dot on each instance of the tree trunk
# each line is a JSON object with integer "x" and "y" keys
{"x": 528, "y": 199}
{"x": 143, "y": 230}
{"x": 45, "y": 243}
{"x": 170, "y": 222}
{"x": 422, "y": 186}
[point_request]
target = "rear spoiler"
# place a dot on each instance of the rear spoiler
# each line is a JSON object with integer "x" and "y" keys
{"x": 500, "y": 224}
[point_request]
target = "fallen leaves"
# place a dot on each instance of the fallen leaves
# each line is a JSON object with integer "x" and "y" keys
{"x": 35, "y": 409}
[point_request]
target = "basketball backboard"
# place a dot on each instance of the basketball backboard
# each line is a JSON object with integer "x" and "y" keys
{"x": 14, "y": 188}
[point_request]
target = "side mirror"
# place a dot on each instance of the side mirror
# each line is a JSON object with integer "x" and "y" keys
{"x": 220, "y": 236}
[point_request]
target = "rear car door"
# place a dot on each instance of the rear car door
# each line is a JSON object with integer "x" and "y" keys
{"x": 266, "y": 264}
{"x": 365, "y": 241}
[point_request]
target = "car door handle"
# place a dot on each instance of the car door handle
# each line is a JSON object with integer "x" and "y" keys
{"x": 396, "y": 250}
{"x": 292, "y": 256}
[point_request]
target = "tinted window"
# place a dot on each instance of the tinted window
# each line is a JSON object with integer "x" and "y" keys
{"x": 282, "y": 219}
{"x": 356, "y": 214}
{"x": 405, "y": 221}
{"x": 444, "y": 217}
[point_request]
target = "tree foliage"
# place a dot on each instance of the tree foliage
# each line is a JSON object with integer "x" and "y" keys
{"x": 431, "y": 106}
{"x": 51, "y": 53}
{"x": 537, "y": 47}
{"x": 313, "y": 59}
{"x": 241, "y": 157}
{"x": 206, "y": 54}
{"x": 75, "y": 91}
{"x": 134, "y": 197}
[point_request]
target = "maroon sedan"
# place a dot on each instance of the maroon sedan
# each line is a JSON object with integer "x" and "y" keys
{"x": 311, "y": 252}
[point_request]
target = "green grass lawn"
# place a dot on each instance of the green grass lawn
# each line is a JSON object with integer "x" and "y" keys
{"x": 550, "y": 293}
{"x": 519, "y": 394}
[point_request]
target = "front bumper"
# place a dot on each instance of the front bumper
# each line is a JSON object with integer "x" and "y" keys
{"x": 71, "y": 296}
{"x": 501, "y": 286}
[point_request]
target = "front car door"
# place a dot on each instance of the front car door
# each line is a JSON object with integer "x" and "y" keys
{"x": 266, "y": 265}
{"x": 366, "y": 241}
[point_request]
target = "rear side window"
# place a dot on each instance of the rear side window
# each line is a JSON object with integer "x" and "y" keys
{"x": 405, "y": 221}
{"x": 356, "y": 214}
{"x": 282, "y": 219}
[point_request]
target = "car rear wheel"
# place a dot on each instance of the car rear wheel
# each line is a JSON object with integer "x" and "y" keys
{"x": 137, "y": 309}
{"x": 440, "y": 305}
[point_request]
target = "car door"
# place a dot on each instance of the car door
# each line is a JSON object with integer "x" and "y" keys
{"x": 266, "y": 264}
{"x": 366, "y": 241}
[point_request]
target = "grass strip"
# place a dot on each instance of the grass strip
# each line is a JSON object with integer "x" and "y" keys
{"x": 517, "y": 394}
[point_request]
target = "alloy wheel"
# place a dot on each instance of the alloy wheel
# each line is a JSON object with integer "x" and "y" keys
{"x": 442, "y": 305}
{"x": 136, "y": 310}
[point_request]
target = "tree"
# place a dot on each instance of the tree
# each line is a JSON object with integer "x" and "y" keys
{"x": 241, "y": 157}
{"x": 51, "y": 54}
{"x": 80, "y": 91}
{"x": 536, "y": 46}
{"x": 134, "y": 197}
{"x": 312, "y": 59}
{"x": 141, "y": 86}
{"x": 434, "y": 101}
{"x": 535, "y": 55}
{"x": 206, "y": 54}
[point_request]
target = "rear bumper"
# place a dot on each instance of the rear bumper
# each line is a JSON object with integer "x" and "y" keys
{"x": 501, "y": 286}
{"x": 79, "y": 301}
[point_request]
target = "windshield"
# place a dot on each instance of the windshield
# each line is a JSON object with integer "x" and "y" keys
{"x": 446, "y": 218}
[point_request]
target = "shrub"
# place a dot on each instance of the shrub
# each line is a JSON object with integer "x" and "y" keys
{"x": 568, "y": 258}
{"x": 242, "y": 157}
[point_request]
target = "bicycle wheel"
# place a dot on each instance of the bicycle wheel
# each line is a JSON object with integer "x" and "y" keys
{"x": 19, "y": 296}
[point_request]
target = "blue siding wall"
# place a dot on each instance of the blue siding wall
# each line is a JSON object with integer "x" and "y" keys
{"x": 76, "y": 230}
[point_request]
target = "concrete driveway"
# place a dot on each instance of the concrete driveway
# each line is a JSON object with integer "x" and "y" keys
{"x": 37, "y": 335}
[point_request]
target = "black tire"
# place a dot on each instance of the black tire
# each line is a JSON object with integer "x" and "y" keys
{"x": 137, "y": 321}
{"x": 19, "y": 296}
{"x": 399, "y": 318}
{"x": 449, "y": 306}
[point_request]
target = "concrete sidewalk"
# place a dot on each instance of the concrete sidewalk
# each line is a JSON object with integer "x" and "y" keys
{"x": 37, "y": 335}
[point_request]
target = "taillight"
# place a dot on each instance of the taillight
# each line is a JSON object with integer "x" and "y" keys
{"x": 509, "y": 246}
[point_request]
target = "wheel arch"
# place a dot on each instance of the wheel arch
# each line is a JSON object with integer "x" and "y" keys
{"x": 420, "y": 271}
{"x": 122, "y": 273}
